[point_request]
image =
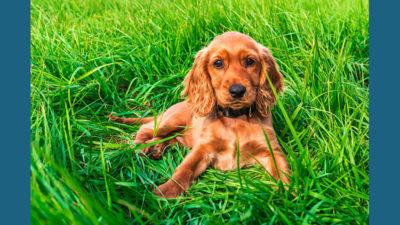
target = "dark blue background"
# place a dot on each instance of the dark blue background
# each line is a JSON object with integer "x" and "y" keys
{"x": 384, "y": 112}
{"x": 14, "y": 112}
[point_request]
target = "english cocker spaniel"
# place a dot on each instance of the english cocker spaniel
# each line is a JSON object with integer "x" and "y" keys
{"x": 229, "y": 101}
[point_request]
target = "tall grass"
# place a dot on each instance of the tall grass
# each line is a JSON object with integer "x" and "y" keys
{"x": 90, "y": 58}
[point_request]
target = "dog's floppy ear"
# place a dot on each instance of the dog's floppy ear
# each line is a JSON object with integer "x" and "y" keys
{"x": 265, "y": 96}
{"x": 198, "y": 88}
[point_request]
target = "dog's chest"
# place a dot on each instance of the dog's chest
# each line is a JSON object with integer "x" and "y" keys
{"x": 239, "y": 138}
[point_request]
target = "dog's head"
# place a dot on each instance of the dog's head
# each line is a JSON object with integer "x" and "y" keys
{"x": 230, "y": 72}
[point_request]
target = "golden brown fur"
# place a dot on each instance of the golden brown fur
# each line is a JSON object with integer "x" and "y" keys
{"x": 212, "y": 136}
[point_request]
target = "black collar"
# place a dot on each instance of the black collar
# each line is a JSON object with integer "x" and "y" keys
{"x": 232, "y": 113}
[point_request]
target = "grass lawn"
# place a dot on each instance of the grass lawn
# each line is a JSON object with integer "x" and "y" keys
{"x": 92, "y": 57}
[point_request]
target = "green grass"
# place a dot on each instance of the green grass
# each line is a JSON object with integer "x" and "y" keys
{"x": 90, "y": 58}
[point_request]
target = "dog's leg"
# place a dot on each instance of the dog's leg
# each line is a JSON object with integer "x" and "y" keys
{"x": 194, "y": 164}
{"x": 278, "y": 169}
{"x": 156, "y": 151}
{"x": 175, "y": 119}
{"x": 130, "y": 120}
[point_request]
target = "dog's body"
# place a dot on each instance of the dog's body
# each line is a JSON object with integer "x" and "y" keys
{"x": 228, "y": 108}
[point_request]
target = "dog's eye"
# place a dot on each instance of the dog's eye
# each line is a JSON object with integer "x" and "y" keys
{"x": 219, "y": 64}
{"x": 249, "y": 62}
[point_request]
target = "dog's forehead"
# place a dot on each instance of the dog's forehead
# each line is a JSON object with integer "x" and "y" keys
{"x": 232, "y": 35}
{"x": 232, "y": 41}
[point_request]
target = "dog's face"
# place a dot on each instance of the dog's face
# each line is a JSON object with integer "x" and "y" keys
{"x": 230, "y": 72}
{"x": 234, "y": 66}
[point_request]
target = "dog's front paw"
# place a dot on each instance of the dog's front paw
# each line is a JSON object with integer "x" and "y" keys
{"x": 154, "y": 151}
{"x": 170, "y": 189}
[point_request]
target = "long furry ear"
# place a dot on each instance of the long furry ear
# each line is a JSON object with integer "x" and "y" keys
{"x": 266, "y": 99}
{"x": 198, "y": 88}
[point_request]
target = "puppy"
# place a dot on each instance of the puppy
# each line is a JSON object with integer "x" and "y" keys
{"x": 228, "y": 109}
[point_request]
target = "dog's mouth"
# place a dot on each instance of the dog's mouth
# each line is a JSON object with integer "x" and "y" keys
{"x": 239, "y": 104}
{"x": 234, "y": 103}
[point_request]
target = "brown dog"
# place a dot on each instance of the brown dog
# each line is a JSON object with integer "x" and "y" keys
{"x": 228, "y": 100}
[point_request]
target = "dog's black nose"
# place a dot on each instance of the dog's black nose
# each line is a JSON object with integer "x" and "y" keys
{"x": 237, "y": 90}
